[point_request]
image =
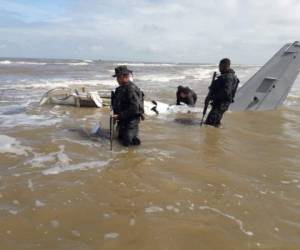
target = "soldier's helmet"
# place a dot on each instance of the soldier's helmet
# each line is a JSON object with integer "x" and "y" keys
{"x": 122, "y": 70}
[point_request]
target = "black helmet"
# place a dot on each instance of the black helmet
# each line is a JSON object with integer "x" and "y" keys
{"x": 122, "y": 70}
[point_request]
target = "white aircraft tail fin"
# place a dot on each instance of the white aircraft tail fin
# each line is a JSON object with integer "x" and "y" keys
{"x": 269, "y": 87}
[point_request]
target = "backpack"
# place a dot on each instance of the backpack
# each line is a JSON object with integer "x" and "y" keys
{"x": 140, "y": 97}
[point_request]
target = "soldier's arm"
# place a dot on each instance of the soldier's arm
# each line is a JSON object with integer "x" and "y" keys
{"x": 235, "y": 87}
{"x": 191, "y": 100}
{"x": 177, "y": 98}
{"x": 210, "y": 91}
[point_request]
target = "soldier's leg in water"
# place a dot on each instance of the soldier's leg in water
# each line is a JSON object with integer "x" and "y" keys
{"x": 214, "y": 117}
{"x": 216, "y": 114}
{"x": 222, "y": 109}
{"x": 133, "y": 130}
{"x": 128, "y": 133}
{"x": 122, "y": 135}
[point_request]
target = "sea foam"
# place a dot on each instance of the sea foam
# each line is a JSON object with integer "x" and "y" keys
{"x": 12, "y": 146}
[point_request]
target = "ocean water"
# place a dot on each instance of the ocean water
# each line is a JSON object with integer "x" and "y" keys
{"x": 186, "y": 187}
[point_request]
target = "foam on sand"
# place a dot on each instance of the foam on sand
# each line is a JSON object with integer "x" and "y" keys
{"x": 11, "y": 146}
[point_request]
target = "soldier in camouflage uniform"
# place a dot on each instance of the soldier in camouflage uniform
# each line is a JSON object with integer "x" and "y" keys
{"x": 186, "y": 95}
{"x": 221, "y": 93}
{"x": 128, "y": 107}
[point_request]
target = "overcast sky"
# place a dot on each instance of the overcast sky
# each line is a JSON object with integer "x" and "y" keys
{"x": 248, "y": 31}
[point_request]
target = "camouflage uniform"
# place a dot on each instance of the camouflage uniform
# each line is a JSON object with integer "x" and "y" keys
{"x": 128, "y": 105}
{"x": 221, "y": 95}
{"x": 191, "y": 98}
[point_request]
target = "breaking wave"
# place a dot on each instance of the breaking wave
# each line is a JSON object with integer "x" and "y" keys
{"x": 7, "y": 62}
{"x": 50, "y": 84}
{"x": 146, "y": 64}
{"x": 11, "y": 145}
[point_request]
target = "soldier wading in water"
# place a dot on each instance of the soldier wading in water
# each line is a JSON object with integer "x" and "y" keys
{"x": 128, "y": 107}
{"x": 221, "y": 93}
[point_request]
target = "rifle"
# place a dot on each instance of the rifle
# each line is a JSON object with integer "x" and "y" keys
{"x": 207, "y": 100}
{"x": 111, "y": 121}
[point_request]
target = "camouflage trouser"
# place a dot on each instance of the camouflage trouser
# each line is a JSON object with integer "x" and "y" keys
{"x": 216, "y": 114}
{"x": 128, "y": 132}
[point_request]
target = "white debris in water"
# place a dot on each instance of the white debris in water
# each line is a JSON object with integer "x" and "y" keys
{"x": 76, "y": 233}
{"x": 276, "y": 229}
{"x": 153, "y": 209}
{"x": 111, "y": 236}
{"x": 39, "y": 203}
{"x": 239, "y": 222}
{"x": 55, "y": 223}
{"x": 12, "y": 146}
{"x": 285, "y": 182}
{"x": 132, "y": 222}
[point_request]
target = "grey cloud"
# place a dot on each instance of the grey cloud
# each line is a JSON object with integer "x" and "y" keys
{"x": 248, "y": 31}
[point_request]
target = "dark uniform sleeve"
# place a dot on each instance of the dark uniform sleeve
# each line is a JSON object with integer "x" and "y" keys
{"x": 212, "y": 90}
{"x": 132, "y": 109}
{"x": 190, "y": 99}
{"x": 178, "y": 98}
{"x": 235, "y": 87}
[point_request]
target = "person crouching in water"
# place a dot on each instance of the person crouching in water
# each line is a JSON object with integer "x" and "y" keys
{"x": 186, "y": 95}
{"x": 128, "y": 107}
{"x": 221, "y": 93}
